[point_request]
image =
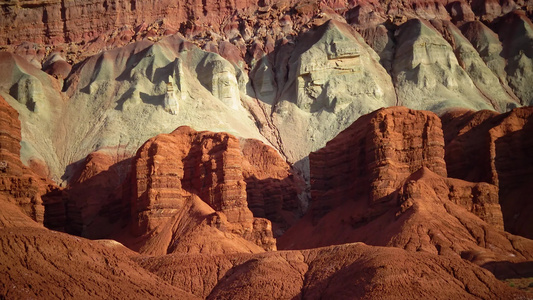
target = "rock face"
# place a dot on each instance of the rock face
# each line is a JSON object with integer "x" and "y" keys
{"x": 19, "y": 186}
{"x": 139, "y": 75}
{"x": 427, "y": 74}
{"x": 201, "y": 170}
{"x": 9, "y": 140}
{"x": 333, "y": 77}
{"x": 374, "y": 156}
{"x": 66, "y": 21}
{"x": 274, "y": 190}
{"x": 96, "y": 204}
{"x": 516, "y": 31}
{"x": 383, "y": 181}
{"x": 494, "y": 148}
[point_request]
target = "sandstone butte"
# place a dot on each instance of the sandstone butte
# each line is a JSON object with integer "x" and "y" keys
{"x": 318, "y": 149}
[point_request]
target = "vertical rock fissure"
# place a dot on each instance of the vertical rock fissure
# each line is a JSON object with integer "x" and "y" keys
{"x": 64, "y": 20}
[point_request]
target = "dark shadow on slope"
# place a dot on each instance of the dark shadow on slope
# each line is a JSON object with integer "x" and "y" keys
{"x": 514, "y": 165}
{"x": 276, "y": 200}
{"x": 507, "y": 269}
{"x": 93, "y": 207}
{"x": 156, "y": 100}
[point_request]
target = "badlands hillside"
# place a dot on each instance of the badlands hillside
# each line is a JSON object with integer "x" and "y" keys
{"x": 246, "y": 149}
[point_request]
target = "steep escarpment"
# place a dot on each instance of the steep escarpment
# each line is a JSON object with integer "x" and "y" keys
{"x": 188, "y": 180}
{"x": 21, "y": 190}
{"x": 383, "y": 181}
{"x": 374, "y": 155}
{"x": 494, "y": 148}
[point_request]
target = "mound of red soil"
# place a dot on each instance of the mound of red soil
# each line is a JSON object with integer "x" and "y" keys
{"x": 337, "y": 272}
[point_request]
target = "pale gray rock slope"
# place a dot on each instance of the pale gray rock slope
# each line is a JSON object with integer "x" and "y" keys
{"x": 427, "y": 74}
{"x": 296, "y": 96}
{"x": 116, "y": 101}
{"x": 517, "y": 33}
{"x": 333, "y": 78}
{"x": 484, "y": 79}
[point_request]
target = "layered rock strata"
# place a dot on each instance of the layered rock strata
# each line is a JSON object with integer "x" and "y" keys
{"x": 202, "y": 169}
{"x": 383, "y": 181}
{"x": 371, "y": 158}
{"x": 20, "y": 187}
{"x": 494, "y": 148}
{"x": 303, "y": 72}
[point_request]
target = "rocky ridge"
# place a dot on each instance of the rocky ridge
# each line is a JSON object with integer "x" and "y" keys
{"x": 283, "y": 65}
{"x": 493, "y": 148}
{"x": 386, "y": 173}
{"x": 209, "y": 261}
{"x": 173, "y": 170}
{"x": 204, "y": 211}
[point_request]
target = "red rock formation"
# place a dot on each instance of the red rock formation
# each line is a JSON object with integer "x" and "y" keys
{"x": 272, "y": 188}
{"x": 66, "y": 21}
{"x": 9, "y": 140}
{"x": 173, "y": 171}
{"x": 98, "y": 193}
{"x": 18, "y": 184}
{"x": 435, "y": 221}
{"x": 82, "y": 26}
{"x": 383, "y": 181}
{"x": 495, "y": 148}
{"x": 370, "y": 159}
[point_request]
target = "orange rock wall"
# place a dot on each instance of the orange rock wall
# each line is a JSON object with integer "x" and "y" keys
{"x": 18, "y": 184}
{"x": 495, "y": 148}
{"x": 171, "y": 167}
{"x": 374, "y": 155}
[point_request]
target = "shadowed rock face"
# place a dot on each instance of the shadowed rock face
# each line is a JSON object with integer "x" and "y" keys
{"x": 273, "y": 189}
{"x": 494, "y": 148}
